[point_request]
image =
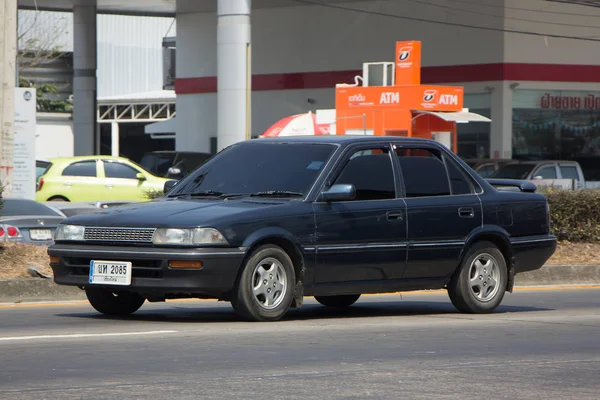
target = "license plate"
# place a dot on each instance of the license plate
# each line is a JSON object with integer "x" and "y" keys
{"x": 40, "y": 234}
{"x": 110, "y": 272}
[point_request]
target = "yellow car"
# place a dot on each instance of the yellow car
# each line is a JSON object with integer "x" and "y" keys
{"x": 96, "y": 178}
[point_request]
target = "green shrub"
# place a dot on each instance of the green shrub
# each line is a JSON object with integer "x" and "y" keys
{"x": 574, "y": 214}
{"x": 153, "y": 194}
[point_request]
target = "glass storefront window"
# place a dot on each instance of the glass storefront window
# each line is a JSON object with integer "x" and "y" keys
{"x": 558, "y": 125}
{"x": 474, "y": 137}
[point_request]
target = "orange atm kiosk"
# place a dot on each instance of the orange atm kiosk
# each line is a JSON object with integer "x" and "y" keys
{"x": 400, "y": 105}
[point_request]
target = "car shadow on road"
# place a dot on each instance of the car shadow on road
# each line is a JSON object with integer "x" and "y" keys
{"x": 191, "y": 313}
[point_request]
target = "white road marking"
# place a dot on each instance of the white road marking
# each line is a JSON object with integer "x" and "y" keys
{"x": 82, "y": 335}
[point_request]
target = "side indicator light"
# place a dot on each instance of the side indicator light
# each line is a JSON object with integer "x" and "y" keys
{"x": 185, "y": 264}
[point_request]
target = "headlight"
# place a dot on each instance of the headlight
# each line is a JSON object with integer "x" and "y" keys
{"x": 197, "y": 236}
{"x": 69, "y": 232}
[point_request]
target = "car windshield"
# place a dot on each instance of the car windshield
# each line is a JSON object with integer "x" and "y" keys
{"x": 157, "y": 164}
{"x": 16, "y": 207}
{"x": 513, "y": 171}
{"x": 266, "y": 168}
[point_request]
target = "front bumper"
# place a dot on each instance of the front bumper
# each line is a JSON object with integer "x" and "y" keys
{"x": 151, "y": 274}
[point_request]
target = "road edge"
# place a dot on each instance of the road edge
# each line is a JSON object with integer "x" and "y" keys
{"x": 39, "y": 289}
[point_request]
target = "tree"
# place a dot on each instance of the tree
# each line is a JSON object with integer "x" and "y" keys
{"x": 41, "y": 37}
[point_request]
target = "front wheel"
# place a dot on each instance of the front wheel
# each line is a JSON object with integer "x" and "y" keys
{"x": 265, "y": 289}
{"x": 480, "y": 282}
{"x": 340, "y": 301}
{"x": 114, "y": 303}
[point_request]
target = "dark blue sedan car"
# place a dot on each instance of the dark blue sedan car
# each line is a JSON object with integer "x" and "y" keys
{"x": 266, "y": 222}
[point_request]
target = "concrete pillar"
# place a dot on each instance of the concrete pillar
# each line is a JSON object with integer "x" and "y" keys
{"x": 8, "y": 52}
{"x": 84, "y": 79}
{"x": 114, "y": 139}
{"x": 501, "y": 125}
{"x": 233, "y": 71}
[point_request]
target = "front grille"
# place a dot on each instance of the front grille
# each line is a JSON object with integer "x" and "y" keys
{"x": 119, "y": 235}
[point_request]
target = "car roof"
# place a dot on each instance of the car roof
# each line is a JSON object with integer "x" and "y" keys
{"x": 339, "y": 139}
{"x": 534, "y": 162}
{"x": 85, "y": 158}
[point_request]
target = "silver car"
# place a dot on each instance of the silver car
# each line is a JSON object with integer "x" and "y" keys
{"x": 27, "y": 221}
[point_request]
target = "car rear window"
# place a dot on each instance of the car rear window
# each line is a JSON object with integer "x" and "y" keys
{"x": 15, "y": 207}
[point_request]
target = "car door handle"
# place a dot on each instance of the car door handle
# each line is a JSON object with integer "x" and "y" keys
{"x": 108, "y": 185}
{"x": 67, "y": 183}
{"x": 466, "y": 212}
{"x": 394, "y": 215}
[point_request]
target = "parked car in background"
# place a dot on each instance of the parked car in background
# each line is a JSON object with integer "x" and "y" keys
{"x": 96, "y": 178}
{"x": 76, "y": 208}
{"x": 486, "y": 166}
{"x": 173, "y": 164}
{"x": 266, "y": 222}
{"x": 27, "y": 221}
{"x": 544, "y": 169}
{"x": 41, "y": 166}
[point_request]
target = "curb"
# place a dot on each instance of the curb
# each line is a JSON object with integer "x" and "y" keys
{"x": 36, "y": 289}
{"x": 39, "y": 289}
{"x": 560, "y": 275}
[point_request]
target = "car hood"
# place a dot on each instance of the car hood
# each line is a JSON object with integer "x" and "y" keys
{"x": 176, "y": 213}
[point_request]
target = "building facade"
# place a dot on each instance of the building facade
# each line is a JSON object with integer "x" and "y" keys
{"x": 532, "y": 67}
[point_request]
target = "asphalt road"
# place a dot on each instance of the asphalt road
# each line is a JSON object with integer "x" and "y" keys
{"x": 541, "y": 344}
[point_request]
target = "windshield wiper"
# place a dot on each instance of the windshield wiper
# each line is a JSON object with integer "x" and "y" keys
{"x": 207, "y": 193}
{"x": 276, "y": 193}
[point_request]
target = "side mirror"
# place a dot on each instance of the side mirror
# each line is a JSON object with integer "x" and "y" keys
{"x": 339, "y": 192}
{"x": 174, "y": 172}
{"x": 140, "y": 177}
{"x": 170, "y": 184}
{"x": 538, "y": 177}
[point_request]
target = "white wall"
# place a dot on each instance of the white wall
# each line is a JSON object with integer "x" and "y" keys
{"x": 54, "y": 136}
{"x": 315, "y": 38}
{"x": 130, "y": 53}
{"x": 129, "y": 47}
{"x": 551, "y": 18}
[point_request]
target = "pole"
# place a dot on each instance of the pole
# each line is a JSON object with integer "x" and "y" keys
{"x": 233, "y": 71}
{"x": 8, "y": 56}
{"x": 114, "y": 138}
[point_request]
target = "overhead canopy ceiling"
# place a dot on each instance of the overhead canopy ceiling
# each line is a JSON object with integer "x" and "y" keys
{"x": 151, "y": 7}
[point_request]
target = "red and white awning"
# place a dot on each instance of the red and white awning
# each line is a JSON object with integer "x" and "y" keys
{"x": 297, "y": 125}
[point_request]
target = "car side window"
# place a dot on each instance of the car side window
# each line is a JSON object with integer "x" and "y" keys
{"x": 546, "y": 173}
{"x": 118, "y": 170}
{"x": 459, "y": 182}
{"x": 569, "y": 172}
{"x": 81, "y": 168}
{"x": 423, "y": 172}
{"x": 371, "y": 173}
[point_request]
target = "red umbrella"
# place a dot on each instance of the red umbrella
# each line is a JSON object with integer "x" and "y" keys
{"x": 297, "y": 125}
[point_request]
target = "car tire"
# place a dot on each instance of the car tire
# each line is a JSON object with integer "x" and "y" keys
{"x": 479, "y": 284}
{"x": 58, "y": 198}
{"x": 114, "y": 303}
{"x": 265, "y": 288}
{"x": 340, "y": 301}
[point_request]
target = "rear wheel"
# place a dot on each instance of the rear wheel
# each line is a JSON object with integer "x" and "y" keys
{"x": 113, "y": 303}
{"x": 340, "y": 301}
{"x": 58, "y": 198}
{"x": 265, "y": 289}
{"x": 480, "y": 282}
